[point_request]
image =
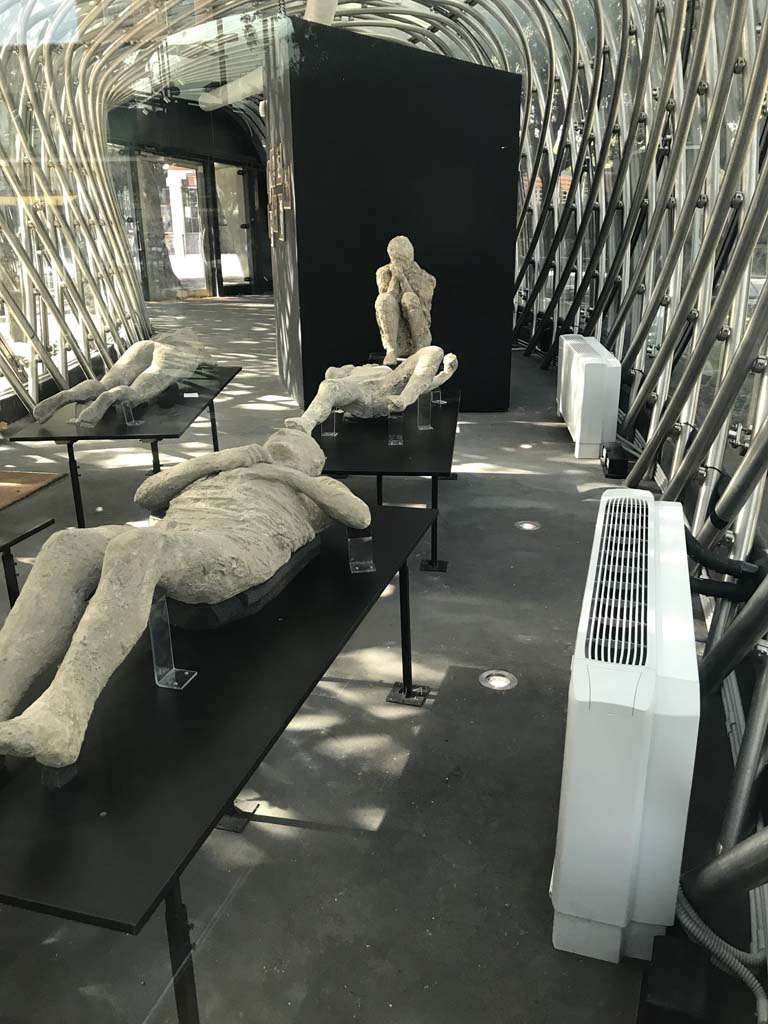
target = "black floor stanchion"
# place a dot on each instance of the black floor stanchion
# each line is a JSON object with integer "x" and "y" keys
{"x": 235, "y": 819}
{"x": 406, "y": 692}
{"x": 180, "y": 948}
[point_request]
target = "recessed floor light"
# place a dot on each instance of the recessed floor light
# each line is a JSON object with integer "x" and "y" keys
{"x": 527, "y": 524}
{"x": 496, "y": 679}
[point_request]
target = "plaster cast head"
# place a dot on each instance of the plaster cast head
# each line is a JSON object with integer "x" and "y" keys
{"x": 400, "y": 251}
{"x": 297, "y": 450}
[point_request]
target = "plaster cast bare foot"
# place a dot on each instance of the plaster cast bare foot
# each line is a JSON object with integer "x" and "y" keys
{"x": 54, "y": 741}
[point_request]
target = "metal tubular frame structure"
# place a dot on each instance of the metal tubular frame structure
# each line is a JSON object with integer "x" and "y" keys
{"x": 643, "y": 201}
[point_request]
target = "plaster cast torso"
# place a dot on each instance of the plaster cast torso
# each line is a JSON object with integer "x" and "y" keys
{"x": 365, "y": 391}
{"x": 258, "y": 524}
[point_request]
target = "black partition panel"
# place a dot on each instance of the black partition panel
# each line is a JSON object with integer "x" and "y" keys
{"x": 386, "y": 139}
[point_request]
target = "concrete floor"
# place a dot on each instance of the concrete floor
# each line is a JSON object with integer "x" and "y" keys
{"x": 407, "y": 881}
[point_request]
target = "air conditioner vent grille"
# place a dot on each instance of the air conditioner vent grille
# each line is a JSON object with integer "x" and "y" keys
{"x": 617, "y": 631}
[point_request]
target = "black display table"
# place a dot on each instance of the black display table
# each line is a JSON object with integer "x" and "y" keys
{"x": 8, "y": 542}
{"x": 169, "y": 415}
{"x": 158, "y": 768}
{"x": 360, "y": 448}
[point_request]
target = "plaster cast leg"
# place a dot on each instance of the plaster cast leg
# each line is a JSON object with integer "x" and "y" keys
{"x": 65, "y": 574}
{"x": 148, "y": 385}
{"x": 330, "y": 395}
{"x": 388, "y": 318}
{"x": 127, "y": 368}
{"x": 52, "y": 729}
{"x": 82, "y": 392}
{"x": 417, "y": 320}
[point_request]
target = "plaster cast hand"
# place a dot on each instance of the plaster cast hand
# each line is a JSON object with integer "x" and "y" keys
{"x": 332, "y": 496}
{"x": 383, "y": 278}
{"x": 450, "y": 366}
{"x": 396, "y": 404}
{"x": 158, "y": 491}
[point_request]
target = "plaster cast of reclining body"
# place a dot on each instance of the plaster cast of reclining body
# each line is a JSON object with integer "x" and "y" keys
{"x": 141, "y": 373}
{"x": 233, "y": 519}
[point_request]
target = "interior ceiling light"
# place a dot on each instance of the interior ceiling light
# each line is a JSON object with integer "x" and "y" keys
{"x": 527, "y": 524}
{"x": 497, "y": 679}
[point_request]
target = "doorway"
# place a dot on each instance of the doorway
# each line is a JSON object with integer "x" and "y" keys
{"x": 193, "y": 226}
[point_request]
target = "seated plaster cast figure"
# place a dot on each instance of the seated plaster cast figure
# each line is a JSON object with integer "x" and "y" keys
{"x": 88, "y": 598}
{"x": 404, "y": 302}
{"x": 141, "y": 373}
{"x": 373, "y": 390}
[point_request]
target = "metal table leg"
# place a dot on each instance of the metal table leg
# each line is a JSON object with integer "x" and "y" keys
{"x": 406, "y": 692}
{"x": 379, "y": 489}
{"x": 433, "y": 563}
{"x": 214, "y": 428}
{"x": 180, "y": 949}
{"x": 156, "y": 467}
{"x": 74, "y": 477}
{"x": 11, "y": 579}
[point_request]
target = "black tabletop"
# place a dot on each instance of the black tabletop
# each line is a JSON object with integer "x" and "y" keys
{"x": 360, "y": 448}
{"x": 168, "y": 415}
{"x": 159, "y": 767}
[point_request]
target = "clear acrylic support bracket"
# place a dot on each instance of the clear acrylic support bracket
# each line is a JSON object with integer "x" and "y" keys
{"x": 437, "y": 397}
{"x": 128, "y": 417}
{"x": 330, "y": 426}
{"x": 395, "y": 429}
{"x": 360, "y": 550}
{"x": 424, "y": 411}
{"x": 167, "y": 675}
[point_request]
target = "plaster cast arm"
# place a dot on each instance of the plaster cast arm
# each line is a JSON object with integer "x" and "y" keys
{"x": 157, "y": 491}
{"x": 332, "y": 496}
{"x": 421, "y": 369}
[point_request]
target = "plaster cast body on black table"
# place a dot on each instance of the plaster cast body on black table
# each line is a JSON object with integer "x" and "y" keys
{"x": 234, "y": 518}
{"x": 141, "y": 373}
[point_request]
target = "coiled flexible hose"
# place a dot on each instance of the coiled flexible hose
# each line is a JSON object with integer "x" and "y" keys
{"x": 735, "y": 961}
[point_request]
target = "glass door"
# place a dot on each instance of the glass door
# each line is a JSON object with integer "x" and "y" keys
{"x": 171, "y": 216}
{"x": 235, "y": 218}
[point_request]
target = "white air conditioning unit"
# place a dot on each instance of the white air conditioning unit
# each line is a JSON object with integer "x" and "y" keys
{"x": 588, "y": 380}
{"x": 630, "y": 742}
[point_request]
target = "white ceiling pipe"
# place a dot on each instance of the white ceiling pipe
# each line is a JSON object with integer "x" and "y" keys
{"x": 321, "y": 11}
{"x": 251, "y": 84}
